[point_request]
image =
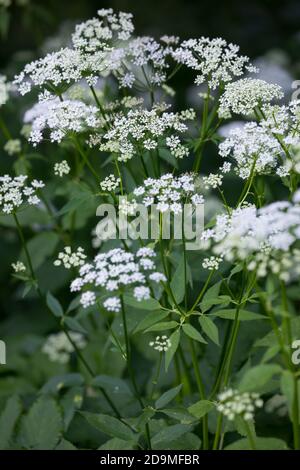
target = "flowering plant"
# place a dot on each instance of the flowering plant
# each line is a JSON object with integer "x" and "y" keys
{"x": 154, "y": 345}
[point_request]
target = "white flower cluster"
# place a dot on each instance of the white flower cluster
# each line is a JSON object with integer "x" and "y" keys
{"x": 64, "y": 117}
{"x": 110, "y": 183}
{"x": 14, "y": 192}
{"x": 169, "y": 192}
{"x": 161, "y": 343}
{"x": 266, "y": 237}
{"x": 211, "y": 263}
{"x": 13, "y": 147}
{"x": 4, "y": 90}
{"x": 18, "y": 267}
{"x": 70, "y": 259}
{"x": 59, "y": 348}
{"x": 215, "y": 61}
{"x": 140, "y": 129}
{"x": 99, "y": 33}
{"x": 253, "y": 148}
{"x": 111, "y": 272}
{"x": 245, "y": 95}
{"x": 61, "y": 169}
{"x": 232, "y": 403}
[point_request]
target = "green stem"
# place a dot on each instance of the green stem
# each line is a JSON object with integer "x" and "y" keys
{"x": 201, "y": 393}
{"x": 250, "y": 436}
{"x": 130, "y": 369}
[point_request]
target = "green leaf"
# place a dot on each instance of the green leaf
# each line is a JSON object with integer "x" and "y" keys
{"x": 261, "y": 443}
{"x": 40, "y": 247}
{"x": 167, "y": 397}
{"x": 74, "y": 325}
{"x": 166, "y": 325}
{"x": 113, "y": 385}
{"x": 257, "y": 377}
{"x": 179, "y": 414}
{"x": 151, "y": 319}
{"x": 8, "y": 421}
{"x": 244, "y": 315}
{"x": 60, "y": 382}
{"x": 201, "y": 408}
{"x": 211, "y": 296}
{"x": 54, "y": 305}
{"x": 209, "y": 328}
{"x": 149, "y": 304}
{"x": 109, "y": 425}
{"x": 117, "y": 444}
{"x": 190, "y": 331}
{"x": 41, "y": 428}
{"x": 174, "y": 339}
{"x": 65, "y": 445}
{"x": 177, "y": 283}
{"x": 169, "y": 434}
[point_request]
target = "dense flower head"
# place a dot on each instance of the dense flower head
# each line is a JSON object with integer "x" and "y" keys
{"x": 111, "y": 272}
{"x": 14, "y": 192}
{"x": 59, "y": 348}
{"x": 18, "y": 267}
{"x": 252, "y": 148}
{"x": 110, "y": 183}
{"x": 161, "y": 343}
{"x": 232, "y": 403}
{"x": 4, "y": 90}
{"x": 61, "y": 118}
{"x": 13, "y": 146}
{"x": 267, "y": 237}
{"x": 99, "y": 33}
{"x": 70, "y": 259}
{"x": 214, "y": 60}
{"x": 141, "y": 130}
{"x": 170, "y": 193}
{"x": 245, "y": 95}
{"x": 61, "y": 169}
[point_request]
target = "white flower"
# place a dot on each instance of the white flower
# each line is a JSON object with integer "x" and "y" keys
{"x": 13, "y": 146}
{"x": 61, "y": 169}
{"x": 114, "y": 271}
{"x": 266, "y": 237}
{"x": 211, "y": 263}
{"x": 252, "y": 147}
{"x": 170, "y": 192}
{"x": 112, "y": 304}
{"x": 245, "y": 95}
{"x": 232, "y": 403}
{"x": 18, "y": 267}
{"x": 161, "y": 343}
{"x": 110, "y": 183}
{"x": 58, "y": 347}
{"x": 87, "y": 299}
{"x": 214, "y": 60}
{"x": 69, "y": 259}
{"x": 61, "y": 118}
{"x": 14, "y": 192}
{"x": 139, "y": 129}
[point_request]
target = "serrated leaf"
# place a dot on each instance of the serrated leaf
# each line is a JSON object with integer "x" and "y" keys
{"x": 177, "y": 283}
{"x": 210, "y": 297}
{"x": 109, "y": 425}
{"x": 179, "y": 414}
{"x": 190, "y": 331}
{"x": 166, "y": 325}
{"x": 201, "y": 408}
{"x": 174, "y": 339}
{"x": 54, "y": 305}
{"x": 244, "y": 315}
{"x": 113, "y": 385}
{"x": 209, "y": 328}
{"x": 151, "y": 319}
{"x": 169, "y": 434}
{"x": 167, "y": 397}
{"x": 60, "y": 382}
{"x": 8, "y": 421}
{"x": 149, "y": 304}
{"x": 74, "y": 325}
{"x": 257, "y": 377}
{"x": 41, "y": 428}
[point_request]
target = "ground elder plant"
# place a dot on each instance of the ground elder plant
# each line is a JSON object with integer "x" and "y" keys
{"x": 146, "y": 341}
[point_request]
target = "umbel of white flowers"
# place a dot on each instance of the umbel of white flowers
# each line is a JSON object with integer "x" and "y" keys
{"x": 111, "y": 272}
{"x": 232, "y": 403}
